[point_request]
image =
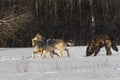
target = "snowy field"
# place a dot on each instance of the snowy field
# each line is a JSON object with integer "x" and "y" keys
{"x": 17, "y": 64}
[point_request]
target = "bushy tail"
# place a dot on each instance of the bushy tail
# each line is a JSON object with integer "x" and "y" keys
{"x": 114, "y": 46}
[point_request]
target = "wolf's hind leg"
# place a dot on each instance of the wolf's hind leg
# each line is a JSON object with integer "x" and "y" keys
{"x": 68, "y": 55}
{"x": 53, "y": 53}
{"x": 108, "y": 51}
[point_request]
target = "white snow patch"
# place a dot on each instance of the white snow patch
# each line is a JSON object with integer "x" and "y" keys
{"x": 17, "y": 64}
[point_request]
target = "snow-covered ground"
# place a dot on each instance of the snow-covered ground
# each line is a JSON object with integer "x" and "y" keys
{"x": 17, "y": 64}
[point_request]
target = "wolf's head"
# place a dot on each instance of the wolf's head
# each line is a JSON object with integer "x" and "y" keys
{"x": 91, "y": 48}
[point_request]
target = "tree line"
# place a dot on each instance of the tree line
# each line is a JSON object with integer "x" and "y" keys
{"x": 78, "y": 20}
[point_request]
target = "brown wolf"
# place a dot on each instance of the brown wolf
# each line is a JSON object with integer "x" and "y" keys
{"x": 100, "y": 41}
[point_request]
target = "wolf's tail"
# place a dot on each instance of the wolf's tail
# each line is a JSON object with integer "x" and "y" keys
{"x": 114, "y": 46}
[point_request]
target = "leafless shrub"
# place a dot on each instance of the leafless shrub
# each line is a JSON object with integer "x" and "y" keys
{"x": 9, "y": 28}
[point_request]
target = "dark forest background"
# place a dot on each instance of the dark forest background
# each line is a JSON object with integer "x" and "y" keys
{"x": 78, "y": 20}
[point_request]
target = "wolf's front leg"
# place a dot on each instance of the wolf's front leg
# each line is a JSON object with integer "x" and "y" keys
{"x": 33, "y": 54}
{"x": 97, "y": 51}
